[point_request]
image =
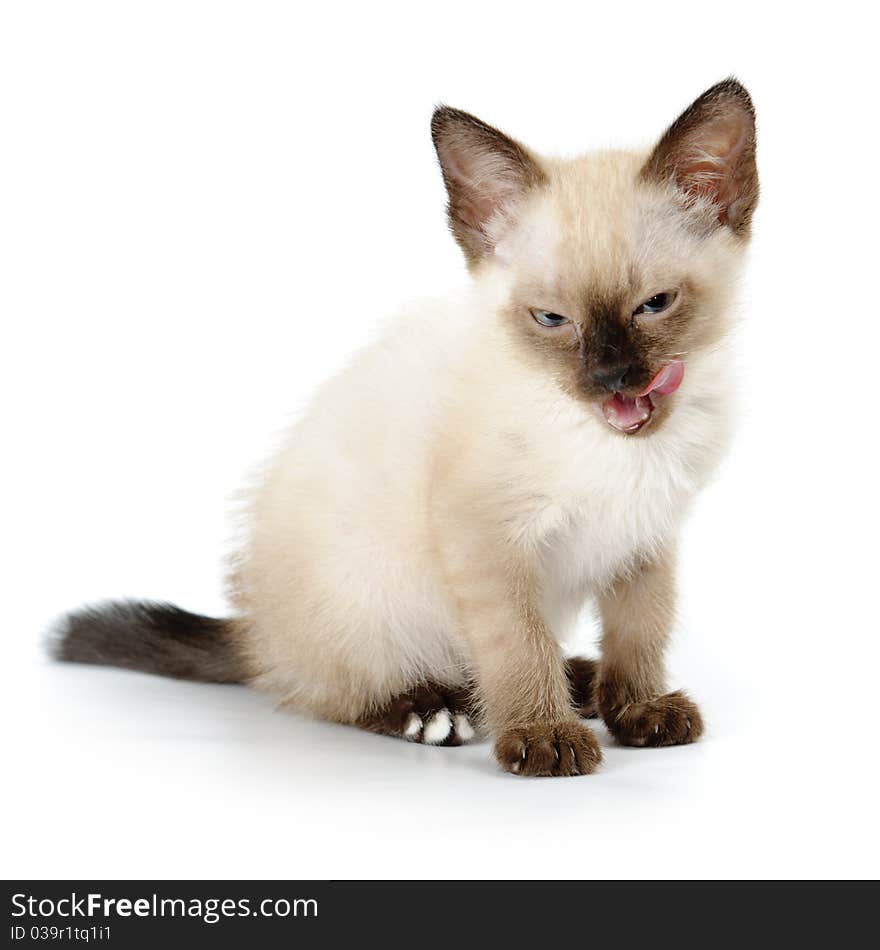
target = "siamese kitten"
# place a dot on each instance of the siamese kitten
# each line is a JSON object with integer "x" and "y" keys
{"x": 447, "y": 504}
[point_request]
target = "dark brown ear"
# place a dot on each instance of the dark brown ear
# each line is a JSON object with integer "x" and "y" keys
{"x": 709, "y": 153}
{"x": 485, "y": 173}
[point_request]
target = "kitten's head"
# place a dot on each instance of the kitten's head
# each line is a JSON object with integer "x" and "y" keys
{"x": 617, "y": 268}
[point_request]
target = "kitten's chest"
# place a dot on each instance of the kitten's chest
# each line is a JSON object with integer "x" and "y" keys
{"x": 620, "y": 506}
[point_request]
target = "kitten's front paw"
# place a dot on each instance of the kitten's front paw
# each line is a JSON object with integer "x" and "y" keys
{"x": 672, "y": 719}
{"x": 548, "y": 748}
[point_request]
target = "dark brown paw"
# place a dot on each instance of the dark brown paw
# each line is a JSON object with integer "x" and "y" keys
{"x": 429, "y": 713}
{"x": 582, "y": 683}
{"x": 672, "y": 719}
{"x": 549, "y": 748}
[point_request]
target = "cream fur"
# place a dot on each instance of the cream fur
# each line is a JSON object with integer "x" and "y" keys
{"x": 440, "y": 468}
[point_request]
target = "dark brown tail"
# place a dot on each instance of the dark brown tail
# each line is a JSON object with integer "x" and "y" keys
{"x": 152, "y": 638}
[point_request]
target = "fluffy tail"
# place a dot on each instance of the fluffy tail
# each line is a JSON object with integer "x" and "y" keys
{"x": 152, "y": 638}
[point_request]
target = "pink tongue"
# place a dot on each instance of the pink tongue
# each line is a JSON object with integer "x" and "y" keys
{"x": 667, "y": 380}
{"x": 628, "y": 413}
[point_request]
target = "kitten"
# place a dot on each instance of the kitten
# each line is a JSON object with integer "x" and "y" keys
{"x": 446, "y": 505}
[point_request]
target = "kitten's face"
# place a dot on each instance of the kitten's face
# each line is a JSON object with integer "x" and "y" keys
{"x": 618, "y": 267}
{"x": 614, "y": 287}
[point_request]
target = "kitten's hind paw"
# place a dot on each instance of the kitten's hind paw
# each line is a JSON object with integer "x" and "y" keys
{"x": 429, "y": 713}
{"x": 582, "y": 676}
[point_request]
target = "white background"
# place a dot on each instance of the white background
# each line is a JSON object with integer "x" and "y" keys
{"x": 205, "y": 209}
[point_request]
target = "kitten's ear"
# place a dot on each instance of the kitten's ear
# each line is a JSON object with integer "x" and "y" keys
{"x": 485, "y": 173}
{"x": 709, "y": 153}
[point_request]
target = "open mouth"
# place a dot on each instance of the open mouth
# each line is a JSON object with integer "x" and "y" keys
{"x": 629, "y": 413}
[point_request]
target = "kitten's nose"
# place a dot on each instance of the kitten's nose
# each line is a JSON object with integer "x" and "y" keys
{"x": 613, "y": 378}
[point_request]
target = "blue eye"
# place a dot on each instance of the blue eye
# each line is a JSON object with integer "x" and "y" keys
{"x": 656, "y": 304}
{"x": 548, "y": 319}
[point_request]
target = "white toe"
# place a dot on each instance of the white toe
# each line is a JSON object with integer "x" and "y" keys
{"x": 463, "y": 728}
{"x": 413, "y": 726}
{"x": 438, "y": 727}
